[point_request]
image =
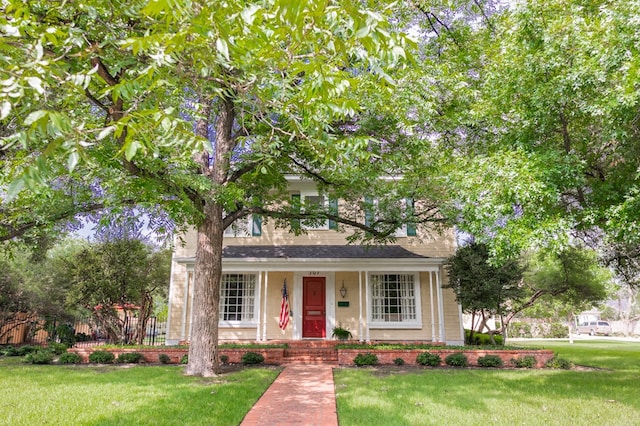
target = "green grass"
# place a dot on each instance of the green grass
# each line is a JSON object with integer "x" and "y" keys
{"x": 116, "y": 395}
{"x": 399, "y": 396}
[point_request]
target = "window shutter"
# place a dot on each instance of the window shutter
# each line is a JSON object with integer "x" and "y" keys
{"x": 256, "y": 225}
{"x": 411, "y": 227}
{"x": 295, "y": 201}
{"x": 368, "y": 211}
{"x": 333, "y": 209}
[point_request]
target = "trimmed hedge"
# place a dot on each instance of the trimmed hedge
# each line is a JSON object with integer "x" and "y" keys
{"x": 457, "y": 360}
{"x": 426, "y": 358}
{"x": 365, "y": 359}
{"x": 490, "y": 361}
{"x": 102, "y": 357}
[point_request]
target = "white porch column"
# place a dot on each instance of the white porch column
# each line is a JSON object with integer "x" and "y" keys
{"x": 264, "y": 313}
{"x": 366, "y": 288}
{"x": 433, "y": 316}
{"x": 441, "y": 336}
{"x": 360, "y": 318}
{"x": 258, "y": 305}
{"x": 186, "y": 299}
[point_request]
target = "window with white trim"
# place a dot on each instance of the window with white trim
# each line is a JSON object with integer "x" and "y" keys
{"x": 404, "y": 230}
{"x": 394, "y": 299}
{"x": 237, "y": 298}
{"x": 244, "y": 227}
{"x": 316, "y": 200}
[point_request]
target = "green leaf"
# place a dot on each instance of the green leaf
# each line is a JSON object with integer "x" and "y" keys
{"x": 130, "y": 149}
{"x": 223, "y": 48}
{"x": 105, "y": 132}
{"x": 34, "y": 117}
{"x": 72, "y": 160}
{"x": 5, "y": 110}
{"x": 14, "y": 188}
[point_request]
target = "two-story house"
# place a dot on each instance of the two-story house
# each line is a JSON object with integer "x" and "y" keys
{"x": 381, "y": 293}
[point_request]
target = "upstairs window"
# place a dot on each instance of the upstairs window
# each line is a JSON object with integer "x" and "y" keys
{"x": 250, "y": 226}
{"x": 405, "y": 230}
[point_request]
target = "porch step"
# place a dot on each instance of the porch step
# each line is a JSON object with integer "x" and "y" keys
{"x": 310, "y": 355}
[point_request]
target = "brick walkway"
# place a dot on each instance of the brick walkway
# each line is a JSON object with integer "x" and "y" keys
{"x": 301, "y": 395}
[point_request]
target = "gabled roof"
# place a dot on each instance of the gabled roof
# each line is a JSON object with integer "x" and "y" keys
{"x": 319, "y": 252}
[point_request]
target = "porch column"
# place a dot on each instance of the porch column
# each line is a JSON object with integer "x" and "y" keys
{"x": 264, "y": 313}
{"x": 258, "y": 306}
{"x": 360, "y": 319}
{"x": 366, "y": 288}
{"x": 433, "y": 317}
{"x": 441, "y": 336}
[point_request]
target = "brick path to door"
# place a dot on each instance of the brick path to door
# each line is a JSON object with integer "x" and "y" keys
{"x": 301, "y": 395}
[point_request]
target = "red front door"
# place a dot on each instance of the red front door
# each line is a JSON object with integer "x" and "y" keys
{"x": 313, "y": 307}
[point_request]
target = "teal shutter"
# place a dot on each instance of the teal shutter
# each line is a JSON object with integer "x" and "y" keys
{"x": 333, "y": 209}
{"x": 411, "y": 227}
{"x": 295, "y": 201}
{"x": 256, "y": 225}
{"x": 368, "y": 211}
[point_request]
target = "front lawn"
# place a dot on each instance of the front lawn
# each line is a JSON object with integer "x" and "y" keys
{"x": 401, "y": 396}
{"x": 121, "y": 395}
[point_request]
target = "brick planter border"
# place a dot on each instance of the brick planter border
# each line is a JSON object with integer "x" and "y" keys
{"x": 152, "y": 355}
{"x": 386, "y": 356}
{"x": 275, "y": 356}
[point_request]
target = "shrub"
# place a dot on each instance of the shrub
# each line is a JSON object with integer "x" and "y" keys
{"x": 66, "y": 334}
{"x": 398, "y": 361}
{"x": 164, "y": 359}
{"x": 559, "y": 363}
{"x": 520, "y": 329}
{"x": 252, "y": 358}
{"x": 365, "y": 359}
{"x": 57, "y": 348}
{"x": 184, "y": 359}
{"x": 557, "y": 330}
{"x": 42, "y": 356}
{"x": 224, "y": 359}
{"x": 130, "y": 358}
{"x": 101, "y": 357}
{"x": 482, "y": 339}
{"x": 528, "y": 361}
{"x": 21, "y": 351}
{"x": 426, "y": 358}
{"x": 490, "y": 361}
{"x": 7, "y": 351}
{"x": 69, "y": 358}
{"x": 457, "y": 359}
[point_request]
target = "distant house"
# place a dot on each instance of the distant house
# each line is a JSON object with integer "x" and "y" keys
{"x": 382, "y": 293}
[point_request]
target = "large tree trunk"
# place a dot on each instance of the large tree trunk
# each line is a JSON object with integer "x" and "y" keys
{"x": 203, "y": 347}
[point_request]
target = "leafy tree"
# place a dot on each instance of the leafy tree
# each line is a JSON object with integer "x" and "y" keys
{"x": 570, "y": 281}
{"x": 110, "y": 92}
{"x": 117, "y": 275}
{"x": 548, "y": 117}
{"x": 482, "y": 288}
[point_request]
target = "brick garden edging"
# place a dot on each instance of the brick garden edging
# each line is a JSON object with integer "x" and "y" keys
{"x": 345, "y": 356}
{"x": 387, "y": 356}
{"x": 151, "y": 355}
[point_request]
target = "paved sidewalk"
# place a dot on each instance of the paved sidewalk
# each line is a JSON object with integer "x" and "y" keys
{"x": 301, "y": 395}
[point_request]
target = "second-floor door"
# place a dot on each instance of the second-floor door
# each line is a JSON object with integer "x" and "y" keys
{"x": 313, "y": 307}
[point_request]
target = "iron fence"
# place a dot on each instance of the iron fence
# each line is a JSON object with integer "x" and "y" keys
{"x": 36, "y": 331}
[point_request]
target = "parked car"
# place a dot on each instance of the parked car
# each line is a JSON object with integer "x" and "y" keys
{"x": 595, "y": 327}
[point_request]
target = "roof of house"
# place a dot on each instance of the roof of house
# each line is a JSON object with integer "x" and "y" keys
{"x": 320, "y": 252}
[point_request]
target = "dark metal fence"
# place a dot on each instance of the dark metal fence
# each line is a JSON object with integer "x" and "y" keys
{"x": 35, "y": 331}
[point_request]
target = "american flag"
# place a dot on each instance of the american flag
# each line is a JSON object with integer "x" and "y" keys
{"x": 284, "y": 308}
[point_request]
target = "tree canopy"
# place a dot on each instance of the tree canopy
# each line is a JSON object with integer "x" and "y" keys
{"x": 518, "y": 124}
